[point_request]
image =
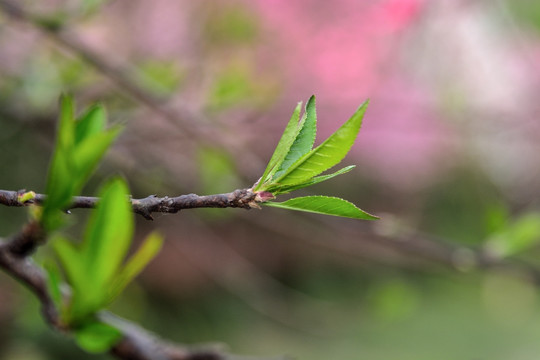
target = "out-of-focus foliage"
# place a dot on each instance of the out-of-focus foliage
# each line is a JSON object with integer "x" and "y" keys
{"x": 236, "y": 84}
{"x": 217, "y": 171}
{"x": 527, "y": 11}
{"x": 161, "y": 78}
{"x": 233, "y": 24}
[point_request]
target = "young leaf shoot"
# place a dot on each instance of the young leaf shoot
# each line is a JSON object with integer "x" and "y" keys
{"x": 295, "y": 165}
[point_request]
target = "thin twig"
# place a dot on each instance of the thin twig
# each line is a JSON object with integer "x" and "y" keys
{"x": 241, "y": 198}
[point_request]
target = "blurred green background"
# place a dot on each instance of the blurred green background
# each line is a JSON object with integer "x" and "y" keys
{"x": 447, "y": 157}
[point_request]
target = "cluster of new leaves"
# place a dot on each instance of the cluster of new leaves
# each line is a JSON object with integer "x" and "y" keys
{"x": 80, "y": 144}
{"x": 295, "y": 164}
{"x": 95, "y": 269}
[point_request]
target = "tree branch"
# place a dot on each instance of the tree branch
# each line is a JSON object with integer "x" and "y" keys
{"x": 241, "y": 198}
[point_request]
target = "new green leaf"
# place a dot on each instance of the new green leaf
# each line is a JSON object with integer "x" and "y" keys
{"x": 148, "y": 250}
{"x": 304, "y": 140}
{"x": 91, "y": 122}
{"x": 97, "y": 337}
{"x": 53, "y": 282}
{"x": 70, "y": 260}
{"x": 288, "y": 188}
{"x": 326, "y": 155}
{"x": 66, "y": 125}
{"x": 59, "y": 177}
{"x": 95, "y": 269}
{"x": 109, "y": 232}
{"x": 295, "y": 165}
{"x": 80, "y": 144}
{"x": 88, "y": 153}
{"x": 323, "y": 205}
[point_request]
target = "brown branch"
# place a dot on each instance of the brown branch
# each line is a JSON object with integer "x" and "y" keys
{"x": 242, "y": 198}
{"x": 25, "y": 242}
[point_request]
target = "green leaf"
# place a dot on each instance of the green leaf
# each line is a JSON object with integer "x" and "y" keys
{"x": 53, "y": 282}
{"x": 93, "y": 269}
{"x": 59, "y": 179}
{"x": 79, "y": 147}
{"x": 66, "y": 126}
{"x": 304, "y": 140}
{"x": 108, "y": 234}
{"x": 283, "y": 146}
{"x": 323, "y": 205}
{"x": 85, "y": 298}
{"x": 87, "y": 155}
{"x": 287, "y": 189}
{"x": 59, "y": 182}
{"x": 326, "y": 155}
{"x": 91, "y": 122}
{"x": 148, "y": 250}
{"x": 70, "y": 259}
{"x": 97, "y": 337}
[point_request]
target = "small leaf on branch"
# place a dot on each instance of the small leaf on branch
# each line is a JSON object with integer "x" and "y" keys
{"x": 91, "y": 122}
{"x": 294, "y": 165}
{"x": 304, "y": 140}
{"x": 96, "y": 337}
{"x": 326, "y": 155}
{"x": 109, "y": 233}
{"x": 88, "y": 153}
{"x": 288, "y": 188}
{"x": 148, "y": 250}
{"x": 80, "y": 145}
{"x": 95, "y": 269}
{"x": 323, "y": 205}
